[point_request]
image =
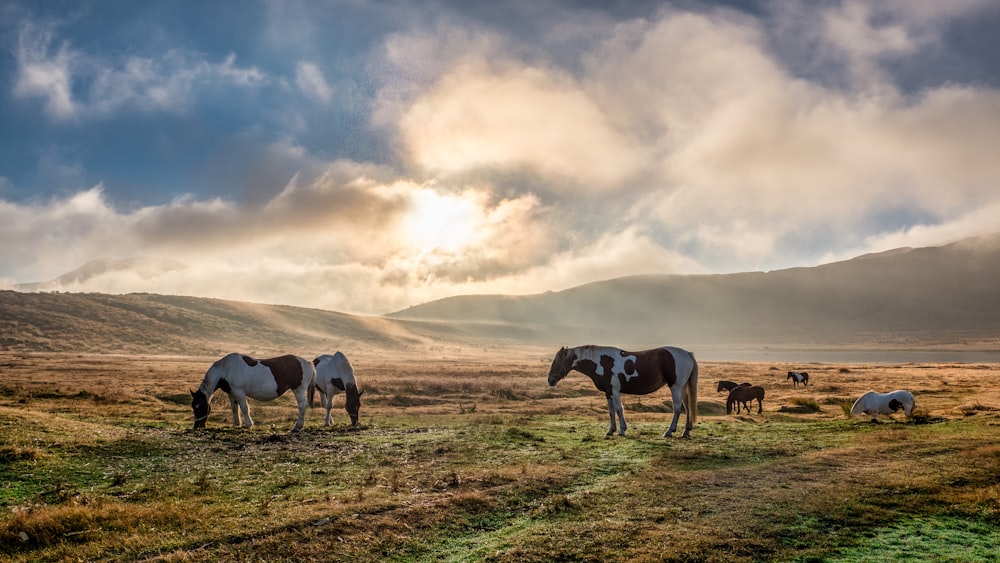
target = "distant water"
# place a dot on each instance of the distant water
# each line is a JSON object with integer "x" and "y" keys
{"x": 851, "y": 356}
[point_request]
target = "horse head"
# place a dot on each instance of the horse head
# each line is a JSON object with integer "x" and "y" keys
{"x": 561, "y": 364}
{"x": 201, "y": 407}
{"x": 353, "y": 403}
{"x": 895, "y": 405}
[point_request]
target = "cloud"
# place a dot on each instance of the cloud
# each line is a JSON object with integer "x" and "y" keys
{"x": 44, "y": 75}
{"x": 477, "y": 117}
{"x": 167, "y": 83}
{"x": 309, "y": 78}
{"x": 682, "y": 142}
{"x": 349, "y": 239}
{"x": 77, "y": 84}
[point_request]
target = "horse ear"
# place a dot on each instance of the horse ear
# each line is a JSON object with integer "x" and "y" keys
{"x": 361, "y": 393}
{"x": 192, "y": 393}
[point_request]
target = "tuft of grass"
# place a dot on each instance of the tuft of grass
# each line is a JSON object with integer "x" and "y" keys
{"x": 42, "y": 526}
{"x": 13, "y": 454}
{"x": 845, "y": 406}
{"x": 801, "y": 405}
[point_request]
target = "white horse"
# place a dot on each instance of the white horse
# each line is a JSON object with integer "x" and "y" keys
{"x": 334, "y": 373}
{"x": 241, "y": 376}
{"x": 616, "y": 371}
{"x": 874, "y": 404}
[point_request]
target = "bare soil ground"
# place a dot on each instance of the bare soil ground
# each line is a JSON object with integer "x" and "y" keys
{"x": 468, "y": 455}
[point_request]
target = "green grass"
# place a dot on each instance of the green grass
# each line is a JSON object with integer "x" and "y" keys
{"x": 497, "y": 489}
{"x": 921, "y": 538}
{"x": 491, "y": 483}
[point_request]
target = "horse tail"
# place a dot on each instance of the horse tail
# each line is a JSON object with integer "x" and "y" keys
{"x": 312, "y": 387}
{"x": 691, "y": 391}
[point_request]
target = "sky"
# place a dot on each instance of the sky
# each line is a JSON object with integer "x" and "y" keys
{"x": 365, "y": 156}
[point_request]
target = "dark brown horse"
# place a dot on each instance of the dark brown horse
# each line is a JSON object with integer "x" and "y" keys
{"x": 616, "y": 371}
{"x": 729, "y": 386}
{"x": 743, "y": 394}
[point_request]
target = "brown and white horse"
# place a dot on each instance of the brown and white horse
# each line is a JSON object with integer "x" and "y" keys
{"x": 798, "y": 377}
{"x": 241, "y": 376}
{"x": 334, "y": 374}
{"x": 616, "y": 371}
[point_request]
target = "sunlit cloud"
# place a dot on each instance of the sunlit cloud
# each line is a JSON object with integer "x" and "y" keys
{"x": 480, "y": 118}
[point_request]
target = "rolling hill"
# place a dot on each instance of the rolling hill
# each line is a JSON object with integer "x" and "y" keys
{"x": 941, "y": 298}
{"x": 141, "y": 323}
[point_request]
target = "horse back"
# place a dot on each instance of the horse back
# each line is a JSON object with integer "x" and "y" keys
{"x": 334, "y": 370}
{"x": 288, "y": 372}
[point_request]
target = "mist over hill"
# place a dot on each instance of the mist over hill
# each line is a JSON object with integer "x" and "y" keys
{"x": 946, "y": 296}
{"x": 142, "y": 323}
{"x": 941, "y": 298}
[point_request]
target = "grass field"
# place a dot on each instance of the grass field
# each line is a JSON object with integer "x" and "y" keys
{"x": 467, "y": 457}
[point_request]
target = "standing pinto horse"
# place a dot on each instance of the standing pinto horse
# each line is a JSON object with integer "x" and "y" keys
{"x": 798, "y": 377}
{"x": 616, "y": 371}
{"x": 241, "y": 376}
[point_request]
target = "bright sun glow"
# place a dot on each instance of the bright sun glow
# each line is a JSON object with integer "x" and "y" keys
{"x": 443, "y": 222}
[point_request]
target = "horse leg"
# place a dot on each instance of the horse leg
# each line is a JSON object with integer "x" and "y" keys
{"x": 620, "y": 409}
{"x": 676, "y": 395}
{"x": 611, "y": 414}
{"x": 327, "y": 399}
{"x": 303, "y": 401}
{"x": 236, "y": 410}
{"x": 760, "y": 405}
{"x": 247, "y": 421}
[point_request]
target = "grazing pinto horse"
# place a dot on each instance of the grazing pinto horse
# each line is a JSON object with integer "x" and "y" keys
{"x": 334, "y": 373}
{"x": 874, "y": 404}
{"x": 241, "y": 376}
{"x": 616, "y": 371}
{"x": 742, "y": 394}
{"x": 798, "y": 377}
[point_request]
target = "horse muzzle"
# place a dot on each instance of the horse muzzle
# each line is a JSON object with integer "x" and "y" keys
{"x": 553, "y": 380}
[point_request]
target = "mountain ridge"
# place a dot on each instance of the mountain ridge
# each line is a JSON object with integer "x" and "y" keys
{"x": 903, "y": 292}
{"x": 915, "y": 299}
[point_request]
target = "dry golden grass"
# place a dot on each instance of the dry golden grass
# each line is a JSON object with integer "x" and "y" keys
{"x": 464, "y": 454}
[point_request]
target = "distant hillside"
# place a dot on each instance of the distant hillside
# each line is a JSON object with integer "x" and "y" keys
{"x": 947, "y": 295}
{"x": 162, "y": 324}
{"x": 944, "y": 298}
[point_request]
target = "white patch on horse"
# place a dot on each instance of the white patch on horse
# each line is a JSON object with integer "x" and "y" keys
{"x": 619, "y": 361}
